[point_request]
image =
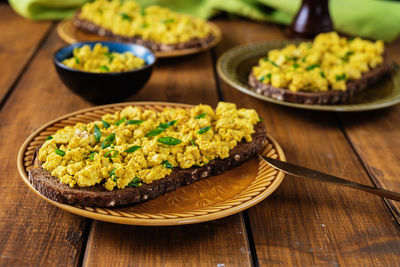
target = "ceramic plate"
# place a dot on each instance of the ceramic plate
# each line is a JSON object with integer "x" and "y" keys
{"x": 234, "y": 67}
{"x": 204, "y": 200}
{"x": 70, "y": 34}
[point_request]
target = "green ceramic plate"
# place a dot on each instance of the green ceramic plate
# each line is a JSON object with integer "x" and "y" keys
{"x": 234, "y": 67}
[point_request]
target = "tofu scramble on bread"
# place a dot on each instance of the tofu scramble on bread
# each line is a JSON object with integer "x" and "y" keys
{"x": 100, "y": 59}
{"x": 327, "y": 63}
{"x": 135, "y": 146}
{"x": 154, "y": 23}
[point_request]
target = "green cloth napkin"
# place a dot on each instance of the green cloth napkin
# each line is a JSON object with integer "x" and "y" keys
{"x": 375, "y": 19}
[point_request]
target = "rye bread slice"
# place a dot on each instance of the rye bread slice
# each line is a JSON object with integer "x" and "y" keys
{"x": 326, "y": 97}
{"x": 98, "y": 196}
{"x": 91, "y": 27}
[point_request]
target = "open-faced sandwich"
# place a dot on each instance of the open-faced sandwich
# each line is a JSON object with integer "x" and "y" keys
{"x": 155, "y": 27}
{"x": 329, "y": 70}
{"x": 135, "y": 155}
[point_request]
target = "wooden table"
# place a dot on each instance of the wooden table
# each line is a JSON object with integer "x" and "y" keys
{"x": 302, "y": 223}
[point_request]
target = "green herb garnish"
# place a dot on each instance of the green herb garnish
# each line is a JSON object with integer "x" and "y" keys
{"x": 291, "y": 58}
{"x": 145, "y": 25}
{"x": 49, "y": 138}
{"x": 105, "y": 68}
{"x": 134, "y": 122}
{"x": 269, "y": 75}
{"x": 341, "y": 77}
{"x": 160, "y": 128}
{"x": 106, "y": 124}
{"x": 169, "y": 141}
{"x": 204, "y": 129}
{"x": 132, "y": 149}
{"x": 166, "y": 164}
{"x": 192, "y": 142}
{"x": 112, "y": 175}
{"x": 91, "y": 156}
{"x": 97, "y": 133}
{"x": 142, "y": 12}
{"x": 125, "y": 16}
{"x": 202, "y": 115}
{"x": 135, "y": 182}
{"x": 346, "y": 57}
{"x": 322, "y": 74}
{"x": 260, "y": 119}
{"x": 272, "y": 62}
{"x": 262, "y": 78}
{"x": 120, "y": 121}
{"x": 166, "y": 21}
{"x": 77, "y": 60}
{"x": 295, "y": 65}
{"x": 311, "y": 67}
{"x": 108, "y": 141}
{"x": 59, "y": 152}
{"x": 111, "y": 154}
{"x": 110, "y": 56}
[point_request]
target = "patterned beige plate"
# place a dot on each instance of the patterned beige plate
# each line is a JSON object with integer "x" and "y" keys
{"x": 204, "y": 200}
{"x": 70, "y": 34}
{"x": 235, "y": 64}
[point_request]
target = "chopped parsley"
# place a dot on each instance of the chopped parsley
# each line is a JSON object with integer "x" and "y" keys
{"x": 166, "y": 164}
{"x": 97, "y": 133}
{"x": 49, "y": 138}
{"x": 202, "y": 115}
{"x": 204, "y": 129}
{"x": 142, "y": 12}
{"x": 169, "y": 141}
{"x": 322, "y": 74}
{"x": 295, "y": 65}
{"x": 132, "y": 149}
{"x": 59, "y": 152}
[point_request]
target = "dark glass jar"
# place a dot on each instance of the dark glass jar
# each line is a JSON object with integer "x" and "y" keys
{"x": 312, "y": 18}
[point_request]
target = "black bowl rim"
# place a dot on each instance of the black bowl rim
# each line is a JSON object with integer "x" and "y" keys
{"x": 65, "y": 67}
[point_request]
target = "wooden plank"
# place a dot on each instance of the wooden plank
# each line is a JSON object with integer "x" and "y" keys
{"x": 33, "y": 232}
{"x": 19, "y": 40}
{"x": 310, "y": 223}
{"x": 189, "y": 80}
{"x": 375, "y": 137}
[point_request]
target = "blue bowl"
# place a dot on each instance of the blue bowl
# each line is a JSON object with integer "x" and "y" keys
{"x": 109, "y": 87}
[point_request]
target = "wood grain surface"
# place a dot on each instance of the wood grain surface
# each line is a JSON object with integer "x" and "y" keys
{"x": 20, "y": 38}
{"x": 303, "y": 223}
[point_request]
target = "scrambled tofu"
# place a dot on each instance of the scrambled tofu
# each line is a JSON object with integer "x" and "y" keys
{"x": 100, "y": 59}
{"x": 135, "y": 146}
{"x": 325, "y": 64}
{"x": 155, "y": 23}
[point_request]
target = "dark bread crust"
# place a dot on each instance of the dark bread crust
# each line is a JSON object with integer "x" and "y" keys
{"x": 326, "y": 97}
{"x": 98, "y": 196}
{"x": 91, "y": 27}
